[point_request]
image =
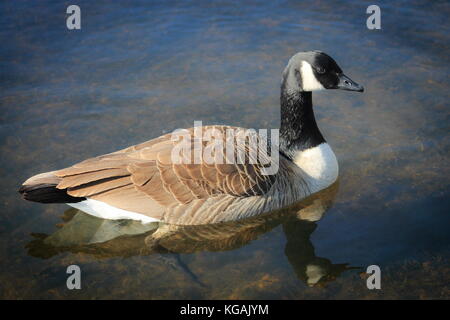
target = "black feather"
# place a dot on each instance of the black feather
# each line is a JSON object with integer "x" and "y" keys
{"x": 47, "y": 193}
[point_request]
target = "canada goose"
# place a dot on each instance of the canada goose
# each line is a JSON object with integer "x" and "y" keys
{"x": 143, "y": 182}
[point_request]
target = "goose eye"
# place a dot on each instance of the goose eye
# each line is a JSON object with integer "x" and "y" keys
{"x": 320, "y": 70}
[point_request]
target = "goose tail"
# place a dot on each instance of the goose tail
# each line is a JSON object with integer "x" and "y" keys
{"x": 42, "y": 188}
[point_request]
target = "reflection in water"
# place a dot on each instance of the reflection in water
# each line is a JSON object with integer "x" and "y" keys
{"x": 82, "y": 233}
{"x": 299, "y": 250}
{"x": 140, "y": 71}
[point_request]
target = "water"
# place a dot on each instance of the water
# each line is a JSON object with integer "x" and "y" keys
{"x": 137, "y": 70}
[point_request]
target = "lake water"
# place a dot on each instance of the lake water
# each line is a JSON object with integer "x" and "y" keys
{"x": 139, "y": 69}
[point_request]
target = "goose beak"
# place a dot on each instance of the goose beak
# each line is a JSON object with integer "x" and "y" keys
{"x": 345, "y": 83}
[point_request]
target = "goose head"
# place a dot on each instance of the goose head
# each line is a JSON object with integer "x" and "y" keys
{"x": 313, "y": 71}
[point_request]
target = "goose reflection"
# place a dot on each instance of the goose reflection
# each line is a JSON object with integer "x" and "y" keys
{"x": 83, "y": 233}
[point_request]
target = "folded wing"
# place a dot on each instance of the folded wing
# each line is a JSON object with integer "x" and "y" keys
{"x": 188, "y": 181}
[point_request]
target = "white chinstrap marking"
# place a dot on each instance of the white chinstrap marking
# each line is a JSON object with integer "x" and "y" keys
{"x": 105, "y": 211}
{"x": 319, "y": 166}
{"x": 314, "y": 273}
{"x": 309, "y": 81}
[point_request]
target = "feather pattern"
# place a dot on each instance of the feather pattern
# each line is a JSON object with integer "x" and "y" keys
{"x": 203, "y": 182}
{"x": 145, "y": 179}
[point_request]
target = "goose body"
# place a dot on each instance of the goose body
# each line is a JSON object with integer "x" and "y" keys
{"x": 145, "y": 182}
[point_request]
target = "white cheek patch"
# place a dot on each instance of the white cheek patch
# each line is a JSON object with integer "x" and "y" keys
{"x": 314, "y": 274}
{"x": 309, "y": 81}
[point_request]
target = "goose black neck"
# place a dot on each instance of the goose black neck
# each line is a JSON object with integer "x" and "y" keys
{"x": 298, "y": 130}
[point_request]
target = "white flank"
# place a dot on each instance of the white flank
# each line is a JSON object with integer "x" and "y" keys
{"x": 319, "y": 166}
{"x": 309, "y": 81}
{"x": 105, "y": 211}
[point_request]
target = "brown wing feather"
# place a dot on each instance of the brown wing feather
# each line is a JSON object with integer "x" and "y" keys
{"x": 143, "y": 178}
